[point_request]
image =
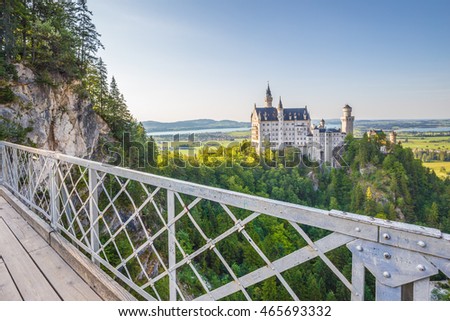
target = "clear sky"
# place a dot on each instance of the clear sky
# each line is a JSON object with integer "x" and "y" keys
{"x": 188, "y": 59}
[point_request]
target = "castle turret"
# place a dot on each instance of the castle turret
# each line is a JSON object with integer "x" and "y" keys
{"x": 280, "y": 105}
{"x": 268, "y": 100}
{"x": 347, "y": 120}
{"x": 280, "y": 123}
{"x": 322, "y": 123}
{"x": 393, "y": 137}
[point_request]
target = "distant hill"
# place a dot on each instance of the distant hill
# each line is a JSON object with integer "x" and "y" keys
{"x": 360, "y": 124}
{"x": 154, "y": 126}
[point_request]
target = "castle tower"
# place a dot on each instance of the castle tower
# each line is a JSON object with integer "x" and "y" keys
{"x": 347, "y": 120}
{"x": 280, "y": 123}
{"x": 268, "y": 100}
{"x": 393, "y": 137}
{"x": 322, "y": 123}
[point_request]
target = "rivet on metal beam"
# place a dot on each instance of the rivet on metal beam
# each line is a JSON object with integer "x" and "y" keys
{"x": 421, "y": 243}
{"x": 387, "y": 255}
{"x": 359, "y": 248}
{"x": 420, "y": 267}
{"x": 357, "y": 229}
{"x": 386, "y": 274}
{"x": 386, "y": 236}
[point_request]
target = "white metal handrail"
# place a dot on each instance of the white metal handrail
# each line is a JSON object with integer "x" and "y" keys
{"x": 126, "y": 221}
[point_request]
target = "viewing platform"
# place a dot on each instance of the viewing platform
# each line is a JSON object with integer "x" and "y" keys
{"x": 74, "y": 229}
{"x": 30, "y": 269}
{"x": 39, "y": 265}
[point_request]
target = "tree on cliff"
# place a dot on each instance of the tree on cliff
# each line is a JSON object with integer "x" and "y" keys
{"x": 59, "y": 42}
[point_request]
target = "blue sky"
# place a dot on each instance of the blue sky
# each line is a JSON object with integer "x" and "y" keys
{"x": 188, "y": 59}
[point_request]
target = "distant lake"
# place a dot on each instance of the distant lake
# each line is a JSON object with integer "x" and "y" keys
{"x": 198, "y": 131}
{"x": 330, "y": 124}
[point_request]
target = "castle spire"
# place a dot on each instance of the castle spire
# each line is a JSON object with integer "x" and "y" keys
{"x": 268, "y": 92}
{"x": 268, "y": 100}
{"x": 280, "y": 104}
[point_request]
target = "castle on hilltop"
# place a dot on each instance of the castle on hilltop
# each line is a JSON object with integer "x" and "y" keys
{"x": 280, "y": 127}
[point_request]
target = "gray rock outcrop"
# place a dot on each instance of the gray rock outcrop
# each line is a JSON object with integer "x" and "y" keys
{"x": 59, "y": 119}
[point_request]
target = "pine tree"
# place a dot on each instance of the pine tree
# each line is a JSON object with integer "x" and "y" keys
{"x": 96, "y": 83}
{"x": 88, "y": 37}
{"x": 433, "y": 215}
{"x": 103, "y": 83}
{"x": 8, "y": 22}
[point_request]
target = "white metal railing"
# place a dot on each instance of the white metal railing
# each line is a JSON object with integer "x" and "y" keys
{"x": 126, "y": 221}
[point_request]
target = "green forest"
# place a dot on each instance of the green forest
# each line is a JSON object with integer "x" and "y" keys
{"x": 59, "y": 42}
{"x": 390, "y": 185}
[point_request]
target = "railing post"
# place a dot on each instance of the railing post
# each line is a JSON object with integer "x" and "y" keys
{"x": 15, "y": 171}
{"x": 358, "y": 278}
{"x": 93, "y": 213}
{"x": 54, "y": 213}
{"x": 2, "y": 171}
{"x": 172, "y": 249}
{"x": 421, "y": 290}
{"x": 387, "y": 293}
{"x": 30, "y": 182}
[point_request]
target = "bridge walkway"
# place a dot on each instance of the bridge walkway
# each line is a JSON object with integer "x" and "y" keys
{"x": 30, "y": 269}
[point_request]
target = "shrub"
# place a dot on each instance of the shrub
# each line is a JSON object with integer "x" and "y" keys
{"x": 6, "y": 95}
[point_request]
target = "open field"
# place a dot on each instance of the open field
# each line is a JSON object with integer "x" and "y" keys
{"x": 442, "y": 169}
{"x": 435, "y": 143}
{"x": 240, "y": 134}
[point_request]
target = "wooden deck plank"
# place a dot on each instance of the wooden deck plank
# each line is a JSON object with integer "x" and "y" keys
{"x": 26, "y": 235}
{"x": 61, "y": 276}
{"x": 30, "y": 282}
{"x": 64, "y": 280}
{"x": 18, "y": 219}
{"x": 8, "y": 290}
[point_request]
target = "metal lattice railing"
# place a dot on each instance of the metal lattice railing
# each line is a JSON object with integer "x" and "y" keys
{"x": 126, "y": 221}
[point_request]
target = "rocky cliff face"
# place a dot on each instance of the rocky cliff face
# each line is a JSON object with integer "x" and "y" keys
{"x": 59, "y": 119}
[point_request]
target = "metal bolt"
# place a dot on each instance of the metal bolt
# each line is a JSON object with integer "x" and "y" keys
{"x": 359, "y": 248}
{"x": 421, "y": 244}
{"x": 386, "y": 236}
{"x": 420, "y": 267}
{"x": 387, "y": 255}
{"x": 386, "y": 274}
{"x": 357, "y": 229}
